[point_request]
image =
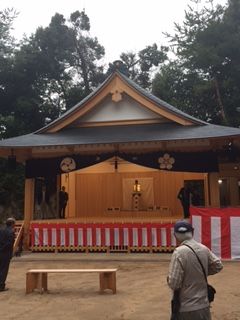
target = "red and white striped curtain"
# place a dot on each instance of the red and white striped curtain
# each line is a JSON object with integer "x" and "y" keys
{"x": 218, "y": 229}
{"x": 102, "y": 235}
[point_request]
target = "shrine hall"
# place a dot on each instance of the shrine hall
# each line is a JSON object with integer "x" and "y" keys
{"x": 122, "y": 155}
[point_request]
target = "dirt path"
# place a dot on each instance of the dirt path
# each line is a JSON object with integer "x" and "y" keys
{"x": 142, "y": 293}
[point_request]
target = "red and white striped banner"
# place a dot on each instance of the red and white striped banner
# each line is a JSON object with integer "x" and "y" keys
{"x": 102, "y": 235}
{"x": 218, "y": 229}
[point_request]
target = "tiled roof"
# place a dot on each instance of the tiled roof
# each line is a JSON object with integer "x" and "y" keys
{"x": 120, "y": 134}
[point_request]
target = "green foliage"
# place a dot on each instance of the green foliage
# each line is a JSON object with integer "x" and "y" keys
{"x": 7, "y": 49}
{"x": 11, "y": 191}
{"x": 80, "y": 20}
{"x": 188, "y": 91}
{"x": 140, "y": 66}
{"x": 38, "y": 79}
{"x": 207, "y": 45}
{"x": 7, "y": 17}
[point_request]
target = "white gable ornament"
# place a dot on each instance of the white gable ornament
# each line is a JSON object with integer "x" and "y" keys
{"x": 68, "y": 164}
{"x": 166, "y": 162}
{"x": 116, "y": 95}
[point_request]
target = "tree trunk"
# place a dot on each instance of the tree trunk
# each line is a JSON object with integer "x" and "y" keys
{"x": 219, "y": 99}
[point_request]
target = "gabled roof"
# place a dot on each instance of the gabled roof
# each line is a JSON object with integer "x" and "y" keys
{"x": 117, "y": 83}
{"x": 166, "y": 124}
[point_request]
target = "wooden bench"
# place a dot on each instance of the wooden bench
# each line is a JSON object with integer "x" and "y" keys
{"x": 38, "y": 278}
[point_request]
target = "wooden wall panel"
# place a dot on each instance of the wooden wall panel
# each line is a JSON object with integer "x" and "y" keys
{"x": 88, "y": 194}
{"x": 96, "y": 192}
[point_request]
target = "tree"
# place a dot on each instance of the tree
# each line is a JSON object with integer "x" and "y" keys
{"x": 11, "y": 191}
{"x": 68, "y": 59}
{"x": 207, "y": 43}
{"x": 87, "y": 52}
{"x": 187, "y": 91}
{"x": 139, "y": 66}
{"x": 7, "y": 42}
{"x": 53, "y": 69}
{"x": 7, "y": 49}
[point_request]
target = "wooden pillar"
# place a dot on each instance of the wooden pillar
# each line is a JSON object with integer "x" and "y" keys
{"x": 206, "y": 190}
{"x": 214, "y": 193}
{"x": 72, "y": 195}
{"x": 28, "y": 210}
{"x": 233, "y": 191}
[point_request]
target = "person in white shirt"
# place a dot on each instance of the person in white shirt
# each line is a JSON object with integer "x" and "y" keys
{"x": 186, "y": 274}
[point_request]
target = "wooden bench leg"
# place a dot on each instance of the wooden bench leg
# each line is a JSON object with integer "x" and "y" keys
{"x": 31, "y": 282}
{"x": 108, "y": 281}
{"x": 42, "y": 281}
{"x": 45, "y": 281}
{"x": 36, "y": 280}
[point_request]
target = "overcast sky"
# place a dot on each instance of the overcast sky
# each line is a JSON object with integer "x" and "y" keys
{"x": 120, "y": 26}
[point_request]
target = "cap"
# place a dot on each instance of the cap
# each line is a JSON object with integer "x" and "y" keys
{"x": 10, "y": 221}
{"x": 183, "y": 226}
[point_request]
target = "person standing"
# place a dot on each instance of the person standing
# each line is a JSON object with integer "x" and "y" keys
{"x": 186, "y": 274}
{"x": 7, "y": 237}
{"x": 63, "y": 200}
{"x": 184, "y": 195}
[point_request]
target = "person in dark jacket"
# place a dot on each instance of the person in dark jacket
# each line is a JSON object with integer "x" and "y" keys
{"x": 63, "y": 199}
{"x": 184, "y": 196}
{"x": 7, "y": 237}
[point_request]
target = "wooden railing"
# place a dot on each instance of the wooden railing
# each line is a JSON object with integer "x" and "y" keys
{"x": 19, "y": 227}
